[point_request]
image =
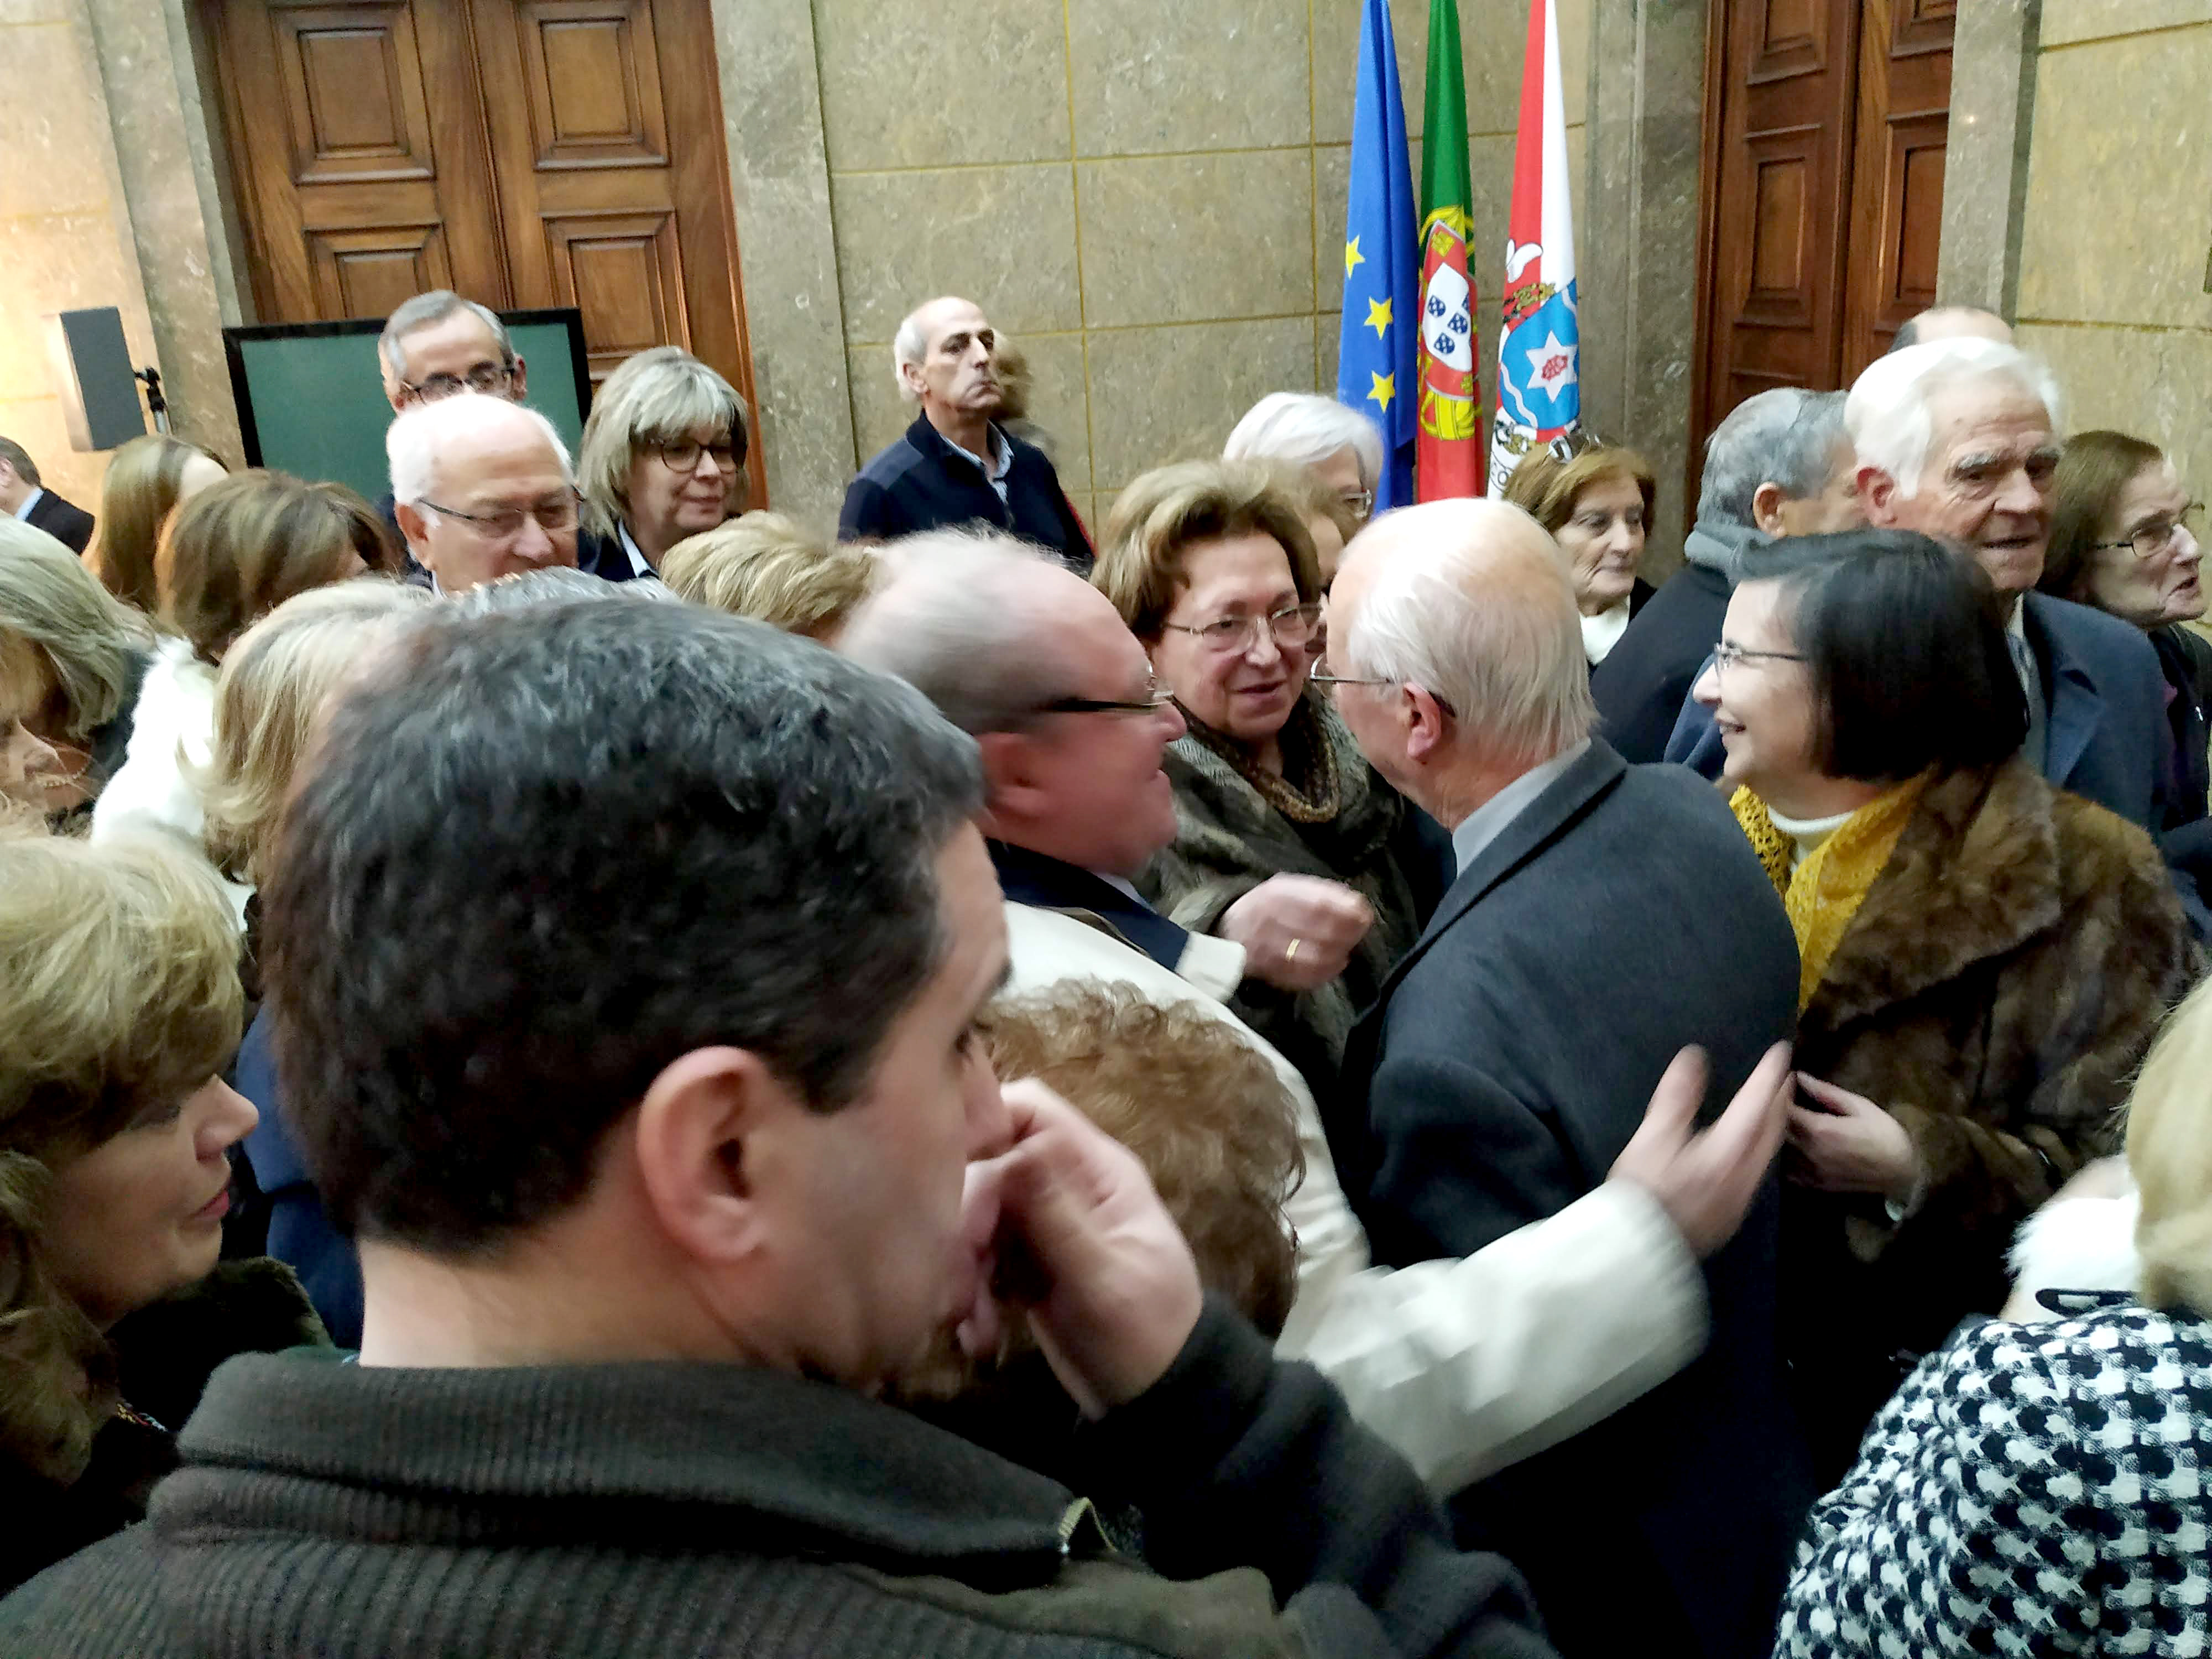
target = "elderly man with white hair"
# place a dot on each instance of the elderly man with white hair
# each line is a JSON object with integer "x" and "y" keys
{"x": 1780, "y": 465}
{"x": 956, "y": 465}
{"x": 483, "y": 489}
{"x": 1604, "y": 915}
{"x": 1464, "y": 1365}
{"x": 1958, "y": 439}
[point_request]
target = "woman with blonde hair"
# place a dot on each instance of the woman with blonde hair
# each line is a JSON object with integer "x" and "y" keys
{"x": 268, "y": 704}
{"x": 1597, "y": 503}
{"x": 229, "y": 557}
{"x": 768, "y": 567}
{"x": 73, "y": 660}
{"x": 663, "y": 458}
{"x": 119, "y": 996}
{"x": 147, "y": 479}
{"x": 2041, "y": 1488}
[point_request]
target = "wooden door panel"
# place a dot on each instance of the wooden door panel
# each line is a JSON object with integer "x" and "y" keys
{"x": 625, "y": 273}
{"x": 1897, "y": 187}
{"x": 594, "y": 96}
{"x": 367, "y": 273}
{"x": 353, "y": 92}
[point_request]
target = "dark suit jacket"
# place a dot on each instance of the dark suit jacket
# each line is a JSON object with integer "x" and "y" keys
{"x": 2184, "y": 833}
{"x": 2106, "y": 739}
{"x": 63, "y": 519}
{"x": 1643, "y": 681}
{"x": 301, "y": 1233}
{"x": 922, "y": 482}
{"x": 1620, "y": 916}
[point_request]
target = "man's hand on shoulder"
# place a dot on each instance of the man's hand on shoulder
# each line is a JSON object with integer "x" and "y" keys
{"x": 1705, "y": 1179}
{"x": 1075, "y": 1235}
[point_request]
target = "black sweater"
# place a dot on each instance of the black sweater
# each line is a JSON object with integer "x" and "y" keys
{"x": 687, "y": 1508}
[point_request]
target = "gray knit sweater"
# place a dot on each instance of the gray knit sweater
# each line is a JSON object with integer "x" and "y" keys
{"x": 692, "y": 1510}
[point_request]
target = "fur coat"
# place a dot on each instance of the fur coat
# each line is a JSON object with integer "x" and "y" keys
{"x": 1230, "y": 838}
{"x": 1995, "y": 992}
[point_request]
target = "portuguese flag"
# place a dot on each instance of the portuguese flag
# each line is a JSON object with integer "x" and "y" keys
{"x": 1449, "y": 451}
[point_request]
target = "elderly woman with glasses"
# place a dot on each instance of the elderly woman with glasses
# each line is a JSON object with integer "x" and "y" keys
{"x": 2123, "y": 539}
{"x": 663, "y": 458}
{"x": 1287, "y": 843}
{"x": 1984, "y": 958}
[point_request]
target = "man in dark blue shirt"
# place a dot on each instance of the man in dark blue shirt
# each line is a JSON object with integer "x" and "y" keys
{"x": 955, "y": 466}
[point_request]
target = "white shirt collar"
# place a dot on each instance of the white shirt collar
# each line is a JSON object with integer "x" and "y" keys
{"x": 1603, "y": 632}
{"x": 638, "y": 565}
{"x": 1490, "y": 820}
{"x": 29, "y": 501}
{"x": 1001, "y": 456}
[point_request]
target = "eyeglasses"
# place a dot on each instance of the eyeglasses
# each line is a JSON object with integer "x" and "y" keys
{"x": 1156, "y": 696}
{"x": 1322, "y": 675}
{"x": 553, "y": 518}
{"x": 494, "y": 378}
{"x": 1294, "y": 625}
{"x": 2148, "y": 541}
{"x": 682, "y": 454}
{"x": 1727, "y": 656}
{"x": 1361, "y": 502}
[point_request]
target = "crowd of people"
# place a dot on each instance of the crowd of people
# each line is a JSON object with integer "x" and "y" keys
{"x": 588, "y": 1071}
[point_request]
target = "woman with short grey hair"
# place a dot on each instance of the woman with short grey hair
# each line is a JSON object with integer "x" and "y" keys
{"x": 663, "y": 458}
{"x": 1340, "y": 447}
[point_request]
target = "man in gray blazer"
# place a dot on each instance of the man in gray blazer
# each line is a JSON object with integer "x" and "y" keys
{"x": 1604, "y": 915}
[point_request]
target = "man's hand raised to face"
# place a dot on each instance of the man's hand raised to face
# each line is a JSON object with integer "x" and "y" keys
{"x": 1074, "y": 1235}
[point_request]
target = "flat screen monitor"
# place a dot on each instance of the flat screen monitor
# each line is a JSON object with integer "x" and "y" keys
{"x": 311, "y": 398}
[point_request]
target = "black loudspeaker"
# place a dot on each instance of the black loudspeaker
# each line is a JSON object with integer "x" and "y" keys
{"x": 91, "y": 365}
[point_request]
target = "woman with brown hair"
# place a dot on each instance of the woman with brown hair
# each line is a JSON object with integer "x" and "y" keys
{"x": 148, "y": 479}
{"x": 2123, "y": 539}
{"x": 229, "y": 555}
{"x": 119, "y": 995}
{"x": 1597, "y": 503}
{"x": 1287, "y": 841}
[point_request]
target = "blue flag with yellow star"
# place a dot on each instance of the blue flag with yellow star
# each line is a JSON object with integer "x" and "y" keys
{"x": 1375, "y": 357}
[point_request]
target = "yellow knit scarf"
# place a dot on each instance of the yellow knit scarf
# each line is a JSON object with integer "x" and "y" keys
{"x": 1827, "y": 889}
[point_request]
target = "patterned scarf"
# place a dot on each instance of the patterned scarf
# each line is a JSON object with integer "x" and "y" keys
{"x": 1309, "y": 753}
{"x": 1826, "y": 889}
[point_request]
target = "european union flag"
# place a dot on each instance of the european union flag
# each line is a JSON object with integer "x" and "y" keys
{"x": 1375, "y": 357}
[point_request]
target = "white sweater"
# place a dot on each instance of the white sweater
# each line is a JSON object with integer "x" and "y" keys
{"x": 173, "y": 726}
{"x": 1464, "y": 1366}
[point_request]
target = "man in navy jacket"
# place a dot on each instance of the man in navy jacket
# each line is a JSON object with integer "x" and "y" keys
{"x": 955, "y": 466}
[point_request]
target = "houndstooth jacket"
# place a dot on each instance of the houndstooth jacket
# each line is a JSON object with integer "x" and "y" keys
{"x": 2030, "y": 1490}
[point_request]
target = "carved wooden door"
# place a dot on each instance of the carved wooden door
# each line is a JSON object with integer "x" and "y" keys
{"x": 1824, "y": 125}
{"x": 524, "y": 153}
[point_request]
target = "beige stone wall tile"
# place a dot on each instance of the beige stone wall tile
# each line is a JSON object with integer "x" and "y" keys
{"x": 2146, "y": 381}
{"x": 925, "y": 86}
{"x": 879, "y": 414}
{"x": 13, "y": 12}
{"x": 2067, "y": 21}
{"x": 48, "y": 262}
{"x": 1060, "y": 403}
{"x": 1170, "y": 394}
{"x": 1194, "y": 238}
{"x": 2119, "y": 183}
{"x": 50, "y": 166}
{"x": 1220, "y": 74}
{"x": 1328, "y": 335}
{"x": 1004, "y": 237}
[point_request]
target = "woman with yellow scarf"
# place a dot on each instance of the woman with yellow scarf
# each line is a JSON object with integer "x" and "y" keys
{"x": 1984, "y": 958}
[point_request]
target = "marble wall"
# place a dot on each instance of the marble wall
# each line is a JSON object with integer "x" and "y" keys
{"x": 2115, "y": 231}
{"x": 66, "y": 234}
{"x": 1148, "y": 195}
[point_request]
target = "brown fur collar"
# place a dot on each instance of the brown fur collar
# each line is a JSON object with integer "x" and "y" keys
{"x": 1975, "y": 874}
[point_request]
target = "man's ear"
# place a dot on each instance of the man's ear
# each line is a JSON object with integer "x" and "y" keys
{"x": 1012, "y": 791}
{"x": 910, "y": 377}
{"x": 1766, "y": 509}
{"x": 703, "y": 1136}
{"x": 1427, "y": 726}
{"x": 1877, "y": 493}
{"x": 414, "y": 528}
{"x": 520, "y": 382}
